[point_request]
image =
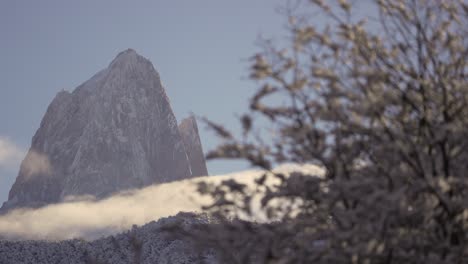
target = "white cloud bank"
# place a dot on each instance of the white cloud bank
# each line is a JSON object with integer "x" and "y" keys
{"x": 91, "y": 219}
{"x": 10, "y": 154}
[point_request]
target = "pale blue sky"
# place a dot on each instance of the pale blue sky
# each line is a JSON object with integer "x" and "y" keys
{"x": 199, "y": 48}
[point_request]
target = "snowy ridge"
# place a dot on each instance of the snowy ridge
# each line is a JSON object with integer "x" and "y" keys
{"x": 146, "y": 244}
{"x": 86, "y": 217}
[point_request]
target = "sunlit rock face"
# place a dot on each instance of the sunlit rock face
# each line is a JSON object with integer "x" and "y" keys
{"x": 114, "y": 132}
{"x": 189, "y": 131}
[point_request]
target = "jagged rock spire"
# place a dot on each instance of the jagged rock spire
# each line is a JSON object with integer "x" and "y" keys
{"x": 114, "y": 132}
{"x": 189, "y": 131}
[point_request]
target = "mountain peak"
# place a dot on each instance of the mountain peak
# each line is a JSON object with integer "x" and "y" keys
{"x": 112, "y": 133}
{"x": 128, "y": 52}
{"x": 128, "y": 57}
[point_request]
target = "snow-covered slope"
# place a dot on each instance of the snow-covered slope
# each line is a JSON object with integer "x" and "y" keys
{"x": 96, "y": 219}
{"x": 143, "y": 245}
{"x": 114, "y": 132}
{"x": 92, "y": 219}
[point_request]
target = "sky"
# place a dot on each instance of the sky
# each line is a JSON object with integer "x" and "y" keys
{"x": 200, "y": 48}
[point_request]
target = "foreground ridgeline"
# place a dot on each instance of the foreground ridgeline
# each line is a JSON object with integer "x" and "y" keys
{"x": 150, "y": 243}
{"x": 114, "y": 132}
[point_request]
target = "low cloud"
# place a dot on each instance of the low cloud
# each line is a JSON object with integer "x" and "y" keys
{"x": 83, "y": 217}
{"x": 36, "y": 163}
{"x": 10, "y": 154}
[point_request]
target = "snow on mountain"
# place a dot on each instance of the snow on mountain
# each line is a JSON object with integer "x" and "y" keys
{"x": 146, "y": 244}
{"x": 114, "y": 132}
{"x": 106, "y": 157}
{"x": 90, "y": 220}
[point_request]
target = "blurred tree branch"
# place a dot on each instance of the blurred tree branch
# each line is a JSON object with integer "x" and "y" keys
{"x": 381, "y": 104}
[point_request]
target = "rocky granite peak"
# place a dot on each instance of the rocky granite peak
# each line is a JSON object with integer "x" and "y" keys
{"x": 114, "y": 132}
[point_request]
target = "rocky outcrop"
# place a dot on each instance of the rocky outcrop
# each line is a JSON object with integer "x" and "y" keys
{"x": 114, "y": 132}
{"x": 189, "y": 132}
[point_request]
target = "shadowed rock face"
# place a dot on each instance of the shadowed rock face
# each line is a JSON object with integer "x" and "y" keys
{"x": 114, "y": 132}
{"x": 189, "y": 131}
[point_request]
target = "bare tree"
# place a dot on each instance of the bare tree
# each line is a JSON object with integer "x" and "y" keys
{"x": 380, "y": 100}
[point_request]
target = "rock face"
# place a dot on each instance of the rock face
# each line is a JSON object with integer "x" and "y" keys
{"x": 189, "y": 131}
{"x": 114, "y": 132}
